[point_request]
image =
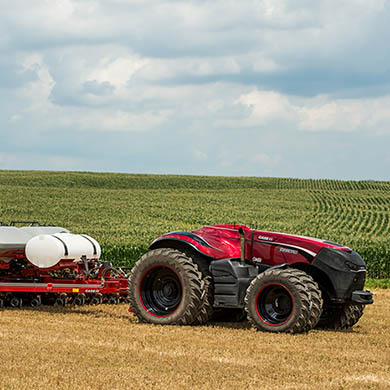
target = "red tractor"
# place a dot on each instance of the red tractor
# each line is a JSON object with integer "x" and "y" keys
{"x": 283, "y": 282}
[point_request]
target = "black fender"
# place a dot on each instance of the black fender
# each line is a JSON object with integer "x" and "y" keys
{"x": 179, "y": 244}
{"x": 346, "y": 271}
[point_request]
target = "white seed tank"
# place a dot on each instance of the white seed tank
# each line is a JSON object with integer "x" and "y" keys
{"x": 47, "y": 250}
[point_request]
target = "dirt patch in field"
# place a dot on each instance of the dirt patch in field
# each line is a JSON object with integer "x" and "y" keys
{"x": 104, "y": 347}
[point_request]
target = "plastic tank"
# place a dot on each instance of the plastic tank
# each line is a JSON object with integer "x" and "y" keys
{"x": 46, "y": 251}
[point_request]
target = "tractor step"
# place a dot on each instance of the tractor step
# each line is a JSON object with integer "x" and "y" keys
{"x": 231, "y": 280}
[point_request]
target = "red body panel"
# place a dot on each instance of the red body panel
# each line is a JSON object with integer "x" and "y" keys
{"x": 223, "y": 241}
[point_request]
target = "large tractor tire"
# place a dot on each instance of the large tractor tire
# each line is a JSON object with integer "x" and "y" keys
{"x": 207, "y": 309}
{"x": 316, "y": 301}
{"x": 278, "y": 300}
{"x": 340, "y": 317}
{"x": 166, "y": 287}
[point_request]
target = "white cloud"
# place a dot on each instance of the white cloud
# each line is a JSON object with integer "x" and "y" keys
{"x": 243, "y": 86}
{"x": 346, "y": 115}
{"x": 38, "y": 104}
{"x": 266, "y": 106}
{"x": 117, "y": 72}
{"x": 320, "y": 113}
{"x": 336, "y": 115}
{"x": 38, "y": 91}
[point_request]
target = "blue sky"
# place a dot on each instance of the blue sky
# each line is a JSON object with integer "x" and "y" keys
{"x": 238, "y": 88}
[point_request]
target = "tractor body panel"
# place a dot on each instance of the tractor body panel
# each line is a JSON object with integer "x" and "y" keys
{"x": 339, "y": 271}
{"x": 223, "y": 241}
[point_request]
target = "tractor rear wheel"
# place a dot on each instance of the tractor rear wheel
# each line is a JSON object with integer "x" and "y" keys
{"x": 207, "y": 309}
{"x": 166, "y": 287}
{"x": 278, "y": 300}
{"x": 340, "y": 317}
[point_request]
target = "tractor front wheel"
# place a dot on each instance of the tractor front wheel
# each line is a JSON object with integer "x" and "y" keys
{"x": 340, "y": 317}
{"x": 166, "y": 287}
{"x": 277, "y": 300}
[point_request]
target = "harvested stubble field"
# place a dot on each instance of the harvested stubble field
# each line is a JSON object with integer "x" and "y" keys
{"x": 102, "y": 347}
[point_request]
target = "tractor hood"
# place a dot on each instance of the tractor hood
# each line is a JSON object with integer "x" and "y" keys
{"x": 223, "y": 241}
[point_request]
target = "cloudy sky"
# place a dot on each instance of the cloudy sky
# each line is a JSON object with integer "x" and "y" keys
{"x": 240, "y": 88}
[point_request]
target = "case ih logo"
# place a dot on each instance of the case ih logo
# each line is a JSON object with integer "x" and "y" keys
{"x": 265, "y": 238}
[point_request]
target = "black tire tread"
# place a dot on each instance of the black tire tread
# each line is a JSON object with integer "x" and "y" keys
{"x": 195, "y": 280}
{"x": 316, "y": 300}
{"x": 342, "y": 317}
{"x": 207, "y": 309}
{"x": 295, "y": 277}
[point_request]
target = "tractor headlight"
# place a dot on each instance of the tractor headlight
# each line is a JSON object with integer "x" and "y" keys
{"x": 353, "y": 266}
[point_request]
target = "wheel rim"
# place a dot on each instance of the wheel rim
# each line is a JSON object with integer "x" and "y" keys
{"x": 160, "y": 291}
{"x": 274, "y": 304}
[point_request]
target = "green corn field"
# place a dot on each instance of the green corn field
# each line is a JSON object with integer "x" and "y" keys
{"x": 125, "y": 212}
